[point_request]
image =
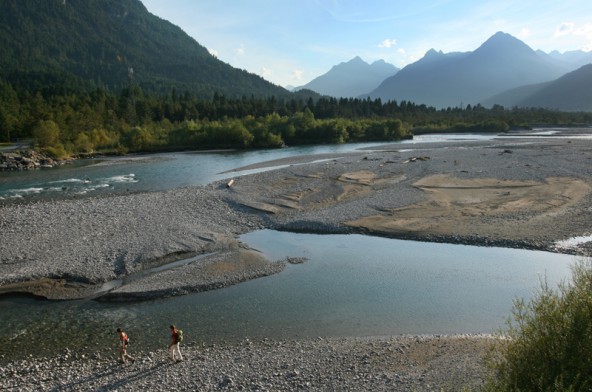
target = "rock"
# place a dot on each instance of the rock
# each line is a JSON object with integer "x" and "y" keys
{"x": 27, "y": 160}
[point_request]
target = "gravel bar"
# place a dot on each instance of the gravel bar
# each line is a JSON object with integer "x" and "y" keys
{"x": 71, "y": 248}
{"x": 404, "y": 363}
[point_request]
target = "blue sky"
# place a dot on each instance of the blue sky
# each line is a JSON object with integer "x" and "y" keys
{"x": 290, "y": 42}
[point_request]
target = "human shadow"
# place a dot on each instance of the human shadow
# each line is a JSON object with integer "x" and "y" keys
{"x": 104, "y": 380}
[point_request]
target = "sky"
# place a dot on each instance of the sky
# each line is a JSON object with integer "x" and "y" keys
{"x": 291, "y": 42}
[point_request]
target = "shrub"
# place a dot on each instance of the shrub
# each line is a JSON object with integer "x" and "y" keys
{"x": 47, "y": 134}
{"x": 57, "y": 152}
{"x": 548, "y": 344}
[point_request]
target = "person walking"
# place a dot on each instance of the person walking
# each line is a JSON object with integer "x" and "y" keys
{"x": 124, "y": 339}
{"x": 176, "y": 338}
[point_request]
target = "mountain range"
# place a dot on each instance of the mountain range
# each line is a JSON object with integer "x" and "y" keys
{"x": 351, "y": 79}
{"x": 110, "y": 44}
{"x": 501, "y": 63}
{"x": 64, "y": 45}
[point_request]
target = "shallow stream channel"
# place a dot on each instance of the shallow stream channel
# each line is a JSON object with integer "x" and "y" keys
{"x": 348, "y": 285}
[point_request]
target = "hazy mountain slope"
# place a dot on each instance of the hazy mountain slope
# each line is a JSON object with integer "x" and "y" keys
{"x": 501, "y": 63}
{"x": 512, "y": 97}
{"x": 571, "y": 92}
{"x": 110, "y": 42}
{"x": 351, "y": 78}
{"x": 575, "y": 58}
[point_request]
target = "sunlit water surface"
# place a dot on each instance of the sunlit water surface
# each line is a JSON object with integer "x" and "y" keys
{"x": 350, "y": 285}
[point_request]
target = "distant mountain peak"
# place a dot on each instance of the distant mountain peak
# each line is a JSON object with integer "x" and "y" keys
{"x": 353, "y": 63}
{"x": 351, "y": 78}
{"x": 446, "y": 79}
{"x": 501, "y": 41}
{"x": 432, "y": 55}
{"x": 502, "y": 35}
{"x": 433, "y": 52}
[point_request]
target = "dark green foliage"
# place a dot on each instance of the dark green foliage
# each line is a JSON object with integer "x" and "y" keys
{"x": 74, "y": 45}
{"x": 135, "y": 120}
{"x": 483, "y": 126}
{"x": 105, "y": 75}
{"x": 548, "y": 346}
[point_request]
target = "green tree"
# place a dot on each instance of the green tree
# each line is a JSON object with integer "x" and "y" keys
{"x": 9, "y": 111}
{"x": 83, "y": 143}
{"x": 101, "y": 138}
{"x": 47, "y": 134}
{"x": 548, "y": 344}
{"x": 139, "y": 139}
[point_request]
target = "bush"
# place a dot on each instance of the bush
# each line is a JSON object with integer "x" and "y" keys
{"x": 57, "y": 152}
{"x": 47, "y": 134}
{"x": 548, "y": 345}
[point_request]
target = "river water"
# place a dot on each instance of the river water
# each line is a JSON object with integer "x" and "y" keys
{"x": 154, "y": 172}
{"x": 350, "y": 285}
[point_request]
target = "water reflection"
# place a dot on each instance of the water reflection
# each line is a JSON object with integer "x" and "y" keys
{"x": 351, "y": 285}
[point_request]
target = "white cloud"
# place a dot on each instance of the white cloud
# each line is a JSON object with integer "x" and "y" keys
{"x": 240, "y": 50}
{"x": 401, "y": 51}
{"x": 582, "y": 33}
{"x": 213, "y": 52}
{"x": 524, "y": 33}
{"x": 388, "y": 43}
{"x": 564, "y": 28}
{"x": 297, "y": 74}
{"x": 266, "y": 72}
{"x": 586, "y": 31}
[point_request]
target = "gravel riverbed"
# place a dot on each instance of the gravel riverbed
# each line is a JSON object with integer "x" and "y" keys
{"x": 526, "y": 193}
{"x": 405, "y": 363}
{"x": 511, "y": 193}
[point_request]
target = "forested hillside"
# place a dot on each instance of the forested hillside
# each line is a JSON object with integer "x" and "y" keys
{"x": 133, "y": 120}
{"x": 82, "y": 44}
{"x": 88, "y": 76}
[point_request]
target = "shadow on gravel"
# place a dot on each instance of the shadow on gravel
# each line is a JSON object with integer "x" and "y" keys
{"x": 115, "y": 377}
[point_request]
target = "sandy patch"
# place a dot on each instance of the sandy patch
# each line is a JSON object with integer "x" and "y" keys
{"x": 461, "y": 206}
{"x": 231, "y": 266}
{"x": 362, "y": 177}
{"x": 311, "y": 191}
{"x": 56, "y": 289}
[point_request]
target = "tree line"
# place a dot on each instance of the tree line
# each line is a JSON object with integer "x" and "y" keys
{"x": 66, "y": 121}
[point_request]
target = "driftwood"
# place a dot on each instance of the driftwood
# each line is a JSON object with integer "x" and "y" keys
{"x": 415, "y": 159}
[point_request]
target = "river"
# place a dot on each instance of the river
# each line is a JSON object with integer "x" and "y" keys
{"x": 350, "y": 285}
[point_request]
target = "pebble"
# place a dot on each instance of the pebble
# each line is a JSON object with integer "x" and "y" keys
{"x": 314, "y": 364}
{"x": 101, "y": 239}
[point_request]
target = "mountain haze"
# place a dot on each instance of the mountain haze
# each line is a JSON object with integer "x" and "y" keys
{"x": 449, "y": 80}
{"x": 571, "y": 92}
{"x": 575, "y": 58}
{"x": 111, "y": 43}
{"x": 351, "y": 79}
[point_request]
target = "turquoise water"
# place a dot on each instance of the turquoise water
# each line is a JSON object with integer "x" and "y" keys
{"x": 154, "y": 172}
{"x": 351, "y": 285}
